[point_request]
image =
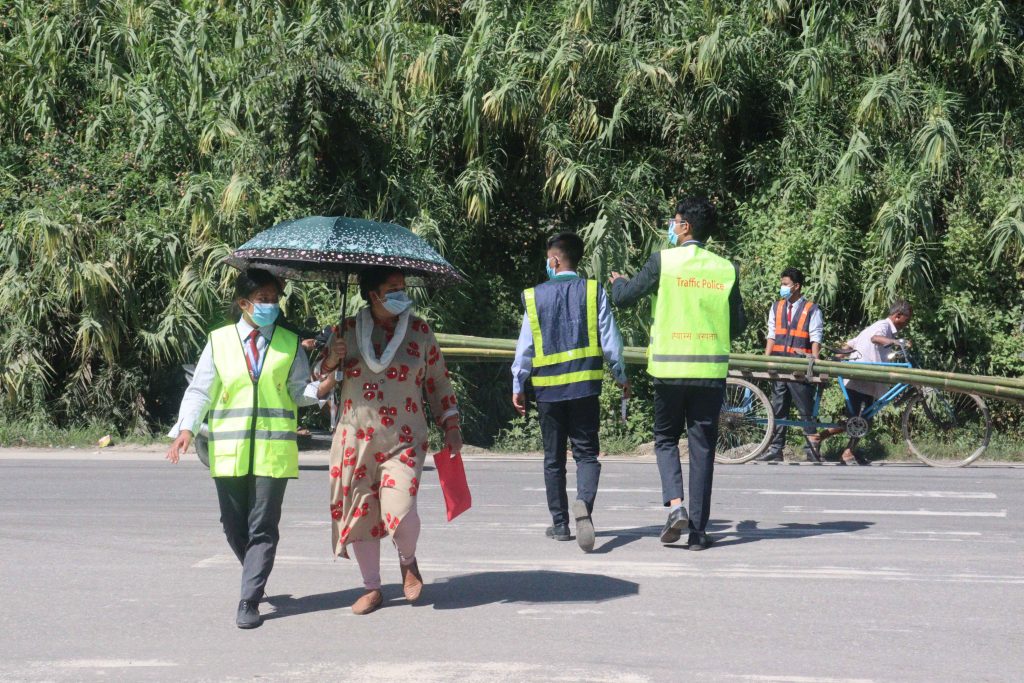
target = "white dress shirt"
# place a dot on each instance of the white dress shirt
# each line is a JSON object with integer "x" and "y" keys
{"x": 206, "y": 383}
{"x": 608, "y": 331}
{"x": 868, "y": 351}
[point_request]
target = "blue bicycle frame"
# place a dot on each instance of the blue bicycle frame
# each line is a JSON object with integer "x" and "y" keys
{"x": 869, "y": 412}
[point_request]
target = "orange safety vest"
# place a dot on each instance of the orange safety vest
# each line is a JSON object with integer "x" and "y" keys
{"x": 794, "y": 340}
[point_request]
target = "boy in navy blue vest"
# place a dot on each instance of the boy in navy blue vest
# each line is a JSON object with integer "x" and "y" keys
{"x": 567, "y": 331}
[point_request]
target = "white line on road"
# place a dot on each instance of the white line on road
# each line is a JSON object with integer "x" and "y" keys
{"x": 857, "y": 493}
{"x": 108, "y": 663}
{"x": 922, "y": 512}
{"x": 762, "y": 678}
{"x": 943, "y": 533}
{"x": 535, "y": 611}
{"x": 601, "y": 489}
{"x": 960, "y": 495}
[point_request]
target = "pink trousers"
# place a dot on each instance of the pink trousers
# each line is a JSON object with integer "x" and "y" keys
{"x": 368, "y": 552}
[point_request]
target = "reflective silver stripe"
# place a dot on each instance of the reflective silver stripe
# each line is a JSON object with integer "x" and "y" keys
{"x": 261, "y": 435}
{"x": 247, "y": 412}
{"x": 658, "y": 358}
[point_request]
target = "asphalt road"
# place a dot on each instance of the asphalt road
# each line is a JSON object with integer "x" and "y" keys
{"x": 115, "y": 568}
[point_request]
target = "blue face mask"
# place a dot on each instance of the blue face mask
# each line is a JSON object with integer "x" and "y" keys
{"x": 673, "y": 238}
{"x": 397, "y": 303}
{"x": 785, "y": 291}
{"x": 548, "y": 269}
{"x": 264, "y": 314}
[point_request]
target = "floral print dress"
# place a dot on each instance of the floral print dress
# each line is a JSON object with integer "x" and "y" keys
{"x": 380, "y": 442}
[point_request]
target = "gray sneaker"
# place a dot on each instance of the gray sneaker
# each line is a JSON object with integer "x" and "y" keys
{"x": 584, "y": 526}
{"x": 559, "y": 532}
{"x": 248, "y": 615}
{"x": 674, "y": 525}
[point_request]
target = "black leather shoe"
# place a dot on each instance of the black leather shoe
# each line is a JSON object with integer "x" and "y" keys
{"x": 584, "y": 526}
{"x": 769, "y": 457}
{"x": 674, "y": 525}
{"x": 248, "y": 614}
{"x": 559, "y": 532}
{"x": 698, "y": 540}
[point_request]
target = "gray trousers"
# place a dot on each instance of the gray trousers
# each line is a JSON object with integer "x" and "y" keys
{"x": 785, "y": 394}
{"x": 250, "y": 510}
{"x": 693, "y": 407}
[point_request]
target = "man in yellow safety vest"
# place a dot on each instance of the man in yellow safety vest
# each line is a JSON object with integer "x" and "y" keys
{"x": 250, "y": 380}
{"x": 697, "y": 312}
{"x": 567, "y": 331}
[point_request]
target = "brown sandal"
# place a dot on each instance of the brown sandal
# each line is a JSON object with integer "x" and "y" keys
{"x": 368, "y": 602}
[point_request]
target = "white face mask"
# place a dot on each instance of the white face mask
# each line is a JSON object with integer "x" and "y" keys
{"x": 396, "y": 303}
{"x": 264, "y": 314}
{"x": 673, "y": 238}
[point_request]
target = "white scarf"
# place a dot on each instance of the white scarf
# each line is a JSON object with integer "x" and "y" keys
{"x": 364, "y": 327}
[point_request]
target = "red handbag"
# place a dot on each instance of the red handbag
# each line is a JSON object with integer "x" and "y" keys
{"x": 452, "y": 475}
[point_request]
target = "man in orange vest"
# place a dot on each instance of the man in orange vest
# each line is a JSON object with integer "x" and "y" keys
{"x": 795, "y": 329}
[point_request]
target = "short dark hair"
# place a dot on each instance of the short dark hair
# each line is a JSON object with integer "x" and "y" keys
{"x": 900, "y": 307}
{"x": 251, "y": 279}
{"x": 248, "y": 281}
{"x": 373, "y": 277}
{"x": 700, "y": 213}
{"x": 793, "y": 274}
{"x": 569, "y": 245}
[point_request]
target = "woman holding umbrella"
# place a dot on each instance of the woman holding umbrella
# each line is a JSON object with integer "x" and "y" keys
{"x": 251, "y": 377}
{"x": 393, "y": 362}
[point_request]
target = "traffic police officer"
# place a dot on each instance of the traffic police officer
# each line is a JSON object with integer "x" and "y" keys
{"x": 697, "y": 312}
{"x": 250, "y": 379}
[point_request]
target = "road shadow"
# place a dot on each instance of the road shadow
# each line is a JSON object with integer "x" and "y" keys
{"x": 747, "y": 531}
{"x": 472, "y": 590}
{"x": 622, "y": 537}
{"x": 532, "y": 586}
{"x": 721, "y": 532}
{"x": 286, "y": 605}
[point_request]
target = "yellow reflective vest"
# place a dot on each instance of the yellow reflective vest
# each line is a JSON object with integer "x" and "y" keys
{"x": 690, "y": 333}
{"x": 253, "y": 422}
{"x": 567, "y": 357}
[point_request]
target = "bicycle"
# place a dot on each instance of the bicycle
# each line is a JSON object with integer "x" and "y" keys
{"x": 941, "y": 428}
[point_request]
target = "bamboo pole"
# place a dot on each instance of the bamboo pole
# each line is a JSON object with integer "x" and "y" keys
{"x": 960, "y": 383}
{"x": 466, "y": 347}
{"x": 480, "y": 355}
{"x": 883, "y": 375}
{"x": 834, "y": 366}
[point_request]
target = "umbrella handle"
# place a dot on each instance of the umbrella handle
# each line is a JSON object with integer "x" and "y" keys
{"x": 344, "y": 299}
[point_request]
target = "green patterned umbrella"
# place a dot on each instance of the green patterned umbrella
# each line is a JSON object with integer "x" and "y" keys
{"x": 329, "y": 248}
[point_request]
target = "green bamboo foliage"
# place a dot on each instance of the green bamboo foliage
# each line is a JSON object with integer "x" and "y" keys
{"x": 875, "y": 144}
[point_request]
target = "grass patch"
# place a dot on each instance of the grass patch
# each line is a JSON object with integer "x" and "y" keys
{"x": 523, "y": 436}
{"x": 32, "y": 434}
{"x": 881, "y": 446}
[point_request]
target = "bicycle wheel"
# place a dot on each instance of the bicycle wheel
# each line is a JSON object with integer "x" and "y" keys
{"x": 745, "y": 423}
{"x": 946, "y": 428}
{"x": 203, "y": 449}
